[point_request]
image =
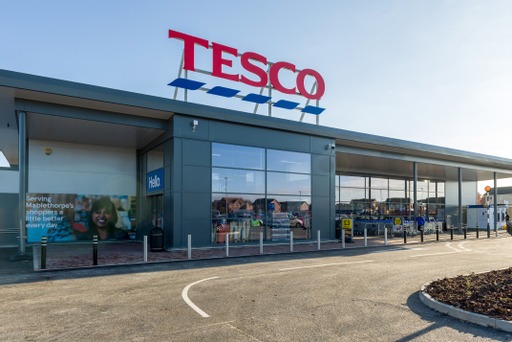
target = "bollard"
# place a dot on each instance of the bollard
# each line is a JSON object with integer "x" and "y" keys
{"x": 291, "y": 241}
{"x": 477, "y": 232}
{"x": 189, "y": 247}
{"x": 318, "y": 239}
{"x": 95, "y": 250}
{"x": 227, "y": 244}
{"x": 405, "y": 235}
{"x": 365, "y": 237}
{"x": 465, "y": 233}
{"x": 385, "y": 236}
{"x": 488, "y": 231}
{"x": 343, "y": 238}
{"x": 44, "y": 240}
{"x": 145, "y": 248}
{"x": 451, "y": 233}
{"x": 261, "y": 242}
{"x": 437, "y": 234}
{"x": 421, "y": 234}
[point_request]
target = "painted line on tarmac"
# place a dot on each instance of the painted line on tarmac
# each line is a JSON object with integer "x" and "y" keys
{"x": 402, "y": 249}
{"x": 326, "y": 265}
{"x": 459, "y": 248}
{"x": 184, "y": 295}
{"x": 434, "y": 254}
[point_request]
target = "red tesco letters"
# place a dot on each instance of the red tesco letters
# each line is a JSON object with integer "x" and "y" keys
{"x": 250, "y": 62}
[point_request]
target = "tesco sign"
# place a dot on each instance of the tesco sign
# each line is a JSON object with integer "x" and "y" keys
{"x": 252, "y": 62}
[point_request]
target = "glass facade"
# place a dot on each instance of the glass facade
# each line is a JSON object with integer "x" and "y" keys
{"x": 258, "y": 190}
{"x": 377, "y": 198}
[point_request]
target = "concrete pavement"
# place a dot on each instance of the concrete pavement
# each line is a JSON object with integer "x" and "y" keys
{"x": 363, "y": 294}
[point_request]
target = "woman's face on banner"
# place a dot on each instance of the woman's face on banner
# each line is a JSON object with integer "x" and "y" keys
{"x": 101, "y": 217}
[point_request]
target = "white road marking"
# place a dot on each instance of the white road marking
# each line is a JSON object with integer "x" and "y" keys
{"x": 326, "y": 265}
{"x": 184, "y": 295}
{"x": 462, "y": 247}
{"x": 434, "y": 254}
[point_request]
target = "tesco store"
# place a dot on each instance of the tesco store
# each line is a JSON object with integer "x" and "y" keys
{"x": 82, "y": 160}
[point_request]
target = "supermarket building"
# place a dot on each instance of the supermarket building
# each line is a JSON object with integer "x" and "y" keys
{"x": 199, "y": 170}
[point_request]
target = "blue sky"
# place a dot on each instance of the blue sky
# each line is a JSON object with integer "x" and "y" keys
{"x": 429, "y": 71}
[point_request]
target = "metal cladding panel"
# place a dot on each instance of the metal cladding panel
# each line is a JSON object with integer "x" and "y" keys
{"x": 195, "y": 206}
{"x": 197, "y": 179}
{"x": 196, "y": 152}
{"x": 321, "y": 164}
{"x": 253, "y": 136}
{"x": 321, "y": 221}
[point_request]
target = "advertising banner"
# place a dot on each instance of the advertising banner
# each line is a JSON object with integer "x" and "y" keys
{"x": 75, "y": 217}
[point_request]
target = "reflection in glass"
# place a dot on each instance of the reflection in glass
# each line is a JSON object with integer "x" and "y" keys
{"x": 288, "y": 183}
{"x": 248, "y": 200}
{"x": 288, "y": 161}
{"x": 236, "y": 156}
{"x": 234, "y": 180}
{"x": 249, "y": 215}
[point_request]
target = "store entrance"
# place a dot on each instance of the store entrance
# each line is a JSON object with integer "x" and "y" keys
{"x": 157, "y": 211}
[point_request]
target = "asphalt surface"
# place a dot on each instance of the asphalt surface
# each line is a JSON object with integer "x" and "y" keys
{"x": 366, "y": 294}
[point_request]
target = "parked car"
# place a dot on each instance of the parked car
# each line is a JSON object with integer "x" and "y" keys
{"x": 296, "y": 222}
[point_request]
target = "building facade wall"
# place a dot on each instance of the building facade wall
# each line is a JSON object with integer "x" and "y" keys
{"x": 191, "y": 172}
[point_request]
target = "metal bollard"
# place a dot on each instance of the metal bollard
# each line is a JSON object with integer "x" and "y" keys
{"x": 477, "y": 233}
{"x": 451, "y": 234}
{"x": 405, "y": 235}
{"x": 291, "y": 241}
{"x": 318, "y": 239}
{"x": 465, "y": 233}
{"x": 365, "y": 237}
{"x": 189, "y": 246}
{"x": 95, "y": 250}
{"x": 385, "y": 236}
{"x": 261, "y": 242}
{"x": 145, "y": 248}
{"x": 421, "y": 234}
{"x": 437, "y": 234}
{"x": 44, "y": 240}
{"x": 227, "y": 244}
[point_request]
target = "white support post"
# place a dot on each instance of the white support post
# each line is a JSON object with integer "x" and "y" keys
{"x": 145, "y": 248}
{"x": 318, "y": 239}
{"x": 291, "y": 241}
{"x": 342, "y": 238}
{"x": 385, "y": 236}
{"x": 189, "y": 249}
{"x": 366, "y": 237}
{"x": 261, "y": 242}
{"x": 227, "y": 244}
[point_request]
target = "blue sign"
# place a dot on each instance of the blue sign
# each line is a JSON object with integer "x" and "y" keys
{"x": 155, "y": 180}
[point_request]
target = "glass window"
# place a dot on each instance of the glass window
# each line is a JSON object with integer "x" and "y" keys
{"x": 348, "y": 194}
{"x": 288, "y": 183}
{"x": 238, "y": 156}
{"x": 379, "y": 183}
{"x": 251, "y": 196}
{"x": 241, "y": 181}
{"x": 396, "y": 184}
{"x": 288, "y": 161}
{"x": 352, "y": 182}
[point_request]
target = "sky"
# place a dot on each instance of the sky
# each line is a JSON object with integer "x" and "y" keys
{"x": 427, "y": 71}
